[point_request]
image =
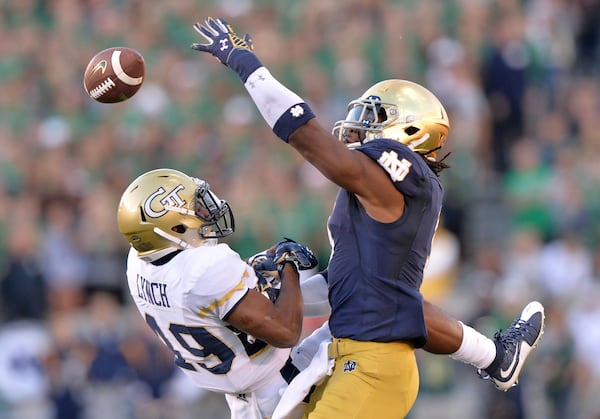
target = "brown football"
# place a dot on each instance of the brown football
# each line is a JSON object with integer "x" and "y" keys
{"x": 114, "y": 74}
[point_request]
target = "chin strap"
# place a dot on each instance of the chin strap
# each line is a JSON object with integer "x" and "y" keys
{"x": 177, "y": 241}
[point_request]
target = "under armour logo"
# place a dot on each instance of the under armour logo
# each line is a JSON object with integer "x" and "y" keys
{"x": 252, "y": 82}
{"x": 297, "y": 111}
{"x": 224, "y": 44}
{"x": 349, "y": 366}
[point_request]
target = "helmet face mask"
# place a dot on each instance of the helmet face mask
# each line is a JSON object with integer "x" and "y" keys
{"x": 366, "y": 118}
{"x": 399, "y": 110}
{"x": 214, "y": 211}
{"x": 164, "y": 210}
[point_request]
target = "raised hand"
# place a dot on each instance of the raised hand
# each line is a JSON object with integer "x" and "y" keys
{"x": 227, "y": 46}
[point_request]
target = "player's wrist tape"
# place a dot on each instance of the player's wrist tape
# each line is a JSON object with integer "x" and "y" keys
{"x": 281, "y": 108}
{"x": 243, "y": 62}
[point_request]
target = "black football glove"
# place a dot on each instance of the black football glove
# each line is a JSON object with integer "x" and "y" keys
{"x": 227, "y": 46}
{"x": 267, "y": 273}
{"x": 264, "y": 264}
{"x": 268, "y": 286}
{"x": 288, "y": 251}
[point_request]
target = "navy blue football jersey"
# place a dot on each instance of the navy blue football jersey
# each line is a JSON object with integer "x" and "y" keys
{"x": 376, "y": 268}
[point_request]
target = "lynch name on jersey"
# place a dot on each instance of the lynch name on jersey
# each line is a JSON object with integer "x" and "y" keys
{"x": 154, "y": 293}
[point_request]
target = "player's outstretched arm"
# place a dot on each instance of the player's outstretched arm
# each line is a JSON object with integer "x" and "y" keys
{"x": 288, "y": 115}
{"x": 283, "y": 110}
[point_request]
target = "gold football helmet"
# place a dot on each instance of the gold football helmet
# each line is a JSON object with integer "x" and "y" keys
{"x": 164, "y": 210}
{"x": 399, "y": 110}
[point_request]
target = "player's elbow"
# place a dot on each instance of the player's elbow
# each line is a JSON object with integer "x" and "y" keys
{"x": 288, "y": 338}
{"x": 286, "y": 333}
{"x": 278, "y": 331}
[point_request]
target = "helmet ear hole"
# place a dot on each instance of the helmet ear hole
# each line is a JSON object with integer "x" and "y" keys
{"x": 179, "y": 229}
{"x": 411, "y": 130}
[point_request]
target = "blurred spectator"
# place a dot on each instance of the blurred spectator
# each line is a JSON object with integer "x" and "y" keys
{"x": 566, "y": 269}
{"x": 521, "y": 270}
{"x": 23, "y": 291}
{"x": 441, "y": 273}
{"x": 587, "y": 36}
{"x": 557, "y": 369}
{"x": 63, "y": 263}
{"x": 101, "y": 242}
{"x": 504, "y": 82}
{"x": 65, "y": 365}
{"x": 528, "y": 189}
{"x": 155, "y": 372}
{"x": 23, "y": 384}
{"x": 586, "y": 314}
{"x": 452, "y": 78}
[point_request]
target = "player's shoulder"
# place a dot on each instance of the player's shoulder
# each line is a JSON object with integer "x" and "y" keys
{"x": 207, "y": 257}
{"x": 385, "y": 147}
{"x": 214, "y": 251}
{"x": 215, "y": 271}
{"x": 396, "y": 158}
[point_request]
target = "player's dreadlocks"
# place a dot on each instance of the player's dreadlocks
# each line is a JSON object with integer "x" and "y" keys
{"x": 436, "y": 166}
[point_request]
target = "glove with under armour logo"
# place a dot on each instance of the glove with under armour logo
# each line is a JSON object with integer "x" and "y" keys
{"x": 288, "y": 251}
{"x": 227, "y": 46}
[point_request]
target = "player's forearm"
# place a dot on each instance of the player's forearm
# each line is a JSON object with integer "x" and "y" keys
{"x": 289, "y": 307}
{"x": 329, "y": 156}
{"x": 282, "y": 109}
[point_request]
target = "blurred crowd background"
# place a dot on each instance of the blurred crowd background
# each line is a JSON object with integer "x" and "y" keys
{"x": 519, "y": 79}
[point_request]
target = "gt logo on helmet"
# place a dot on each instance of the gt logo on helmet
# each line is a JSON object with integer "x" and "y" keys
{"x": 172, "y": 199}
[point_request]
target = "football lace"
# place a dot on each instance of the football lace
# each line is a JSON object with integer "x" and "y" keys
{"x": 104, "y": 87}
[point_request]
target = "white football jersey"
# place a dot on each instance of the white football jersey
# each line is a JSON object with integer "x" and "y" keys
{"x": 185, "y": 300}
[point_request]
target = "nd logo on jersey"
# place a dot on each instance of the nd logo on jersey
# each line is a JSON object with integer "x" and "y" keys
{"x": 398, "y": 169}
{"x": 172, "y": 198}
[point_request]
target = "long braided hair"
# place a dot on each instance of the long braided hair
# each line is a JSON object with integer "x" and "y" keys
{"x": 436, "y": 166}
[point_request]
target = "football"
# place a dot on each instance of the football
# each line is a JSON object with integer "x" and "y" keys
{"x": 114, "y": 74}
